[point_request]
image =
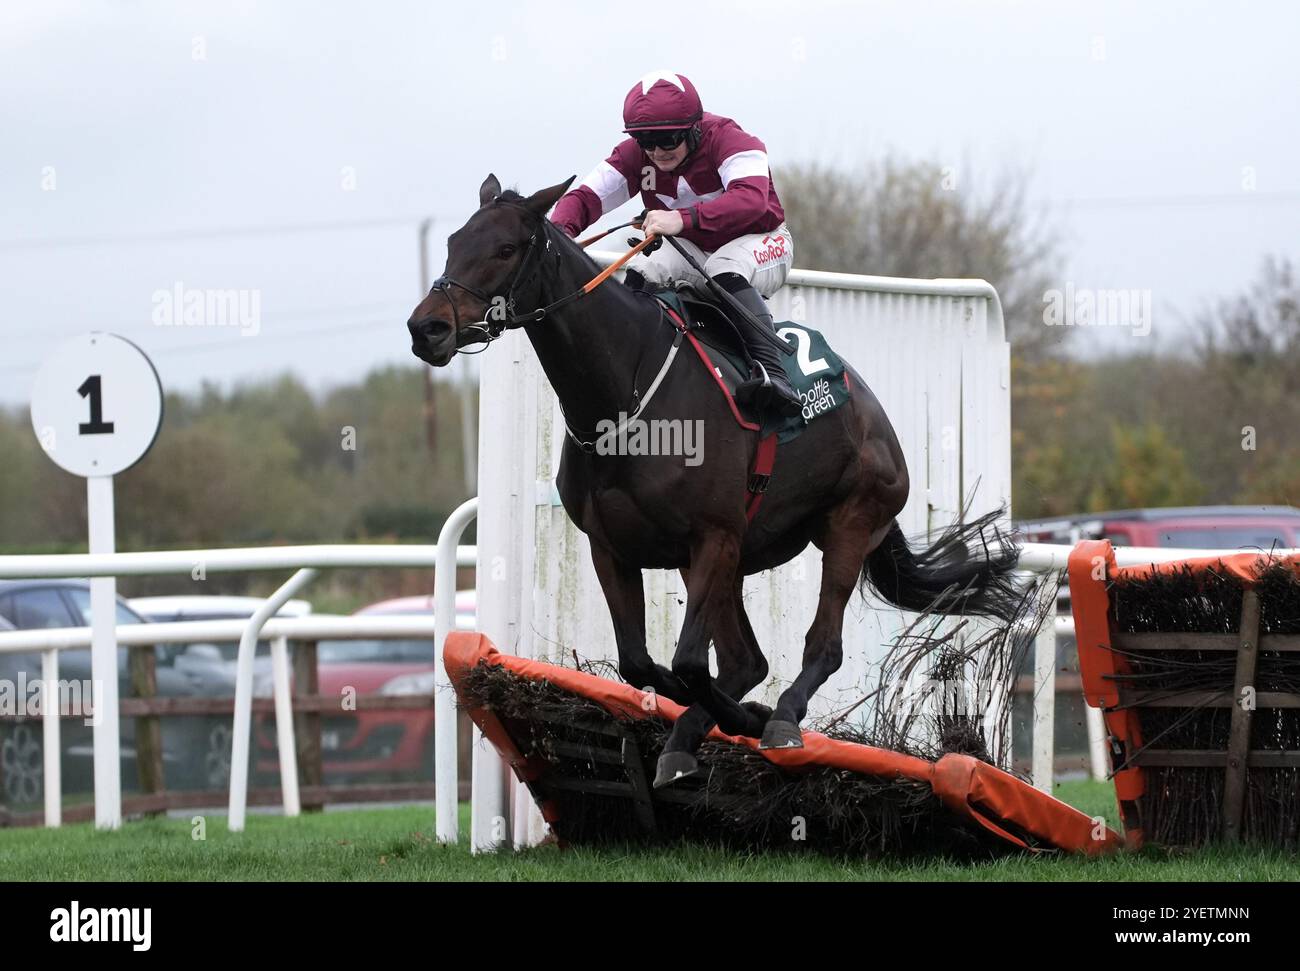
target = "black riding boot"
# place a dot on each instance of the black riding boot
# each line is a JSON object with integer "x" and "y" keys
{"x": 774, "y": 394}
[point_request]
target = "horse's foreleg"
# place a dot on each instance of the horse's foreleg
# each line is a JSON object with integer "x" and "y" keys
{"x": 847, "y": 542}
{"x": 741, "y": 668}
{"x": 741, "y": 664}
{"x": 710, "y": 617}
{"x": 625, "y": 596}
{"x": 757, "y": 663}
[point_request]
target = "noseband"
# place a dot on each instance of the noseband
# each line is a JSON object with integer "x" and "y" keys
{"x": 495, "y": 322}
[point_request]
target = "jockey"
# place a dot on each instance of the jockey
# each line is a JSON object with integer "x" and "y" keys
{"x": 703, "y": 178}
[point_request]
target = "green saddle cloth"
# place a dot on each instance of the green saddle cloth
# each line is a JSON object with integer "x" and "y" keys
{"x": 815, "y": 371}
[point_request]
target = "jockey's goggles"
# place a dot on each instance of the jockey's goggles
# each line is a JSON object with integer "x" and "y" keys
{"x": 665, "y": 140}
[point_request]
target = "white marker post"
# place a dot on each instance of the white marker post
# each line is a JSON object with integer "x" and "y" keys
{"x": 96, "y": 409}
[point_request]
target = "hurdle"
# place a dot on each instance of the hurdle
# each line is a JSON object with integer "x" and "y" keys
{"x": 1195, "y": 665}
{"x": 584, "y": 747}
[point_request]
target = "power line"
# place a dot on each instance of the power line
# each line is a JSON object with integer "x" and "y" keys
{"x": 220, "y": 345}
{"x": 411, "y": 222}
{"x": 1208, "y": 199}
{"x": 225, "y": 232}
{"x": 313, "y": 313}
{"x": 232, "y": 344}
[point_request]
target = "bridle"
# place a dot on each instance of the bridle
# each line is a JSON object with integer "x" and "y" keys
{"x": 500, "y": 322}
{"x": 501, "y": 316}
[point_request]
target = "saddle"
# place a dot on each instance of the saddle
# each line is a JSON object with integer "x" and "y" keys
{"x": 705, "y": 317}
{"x": 701, "y": 320}
{"x": 816, "y": 372}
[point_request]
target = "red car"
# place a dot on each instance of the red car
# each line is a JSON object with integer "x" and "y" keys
{"x": 375, "y": 744}
{"x": 1184, "y": 527}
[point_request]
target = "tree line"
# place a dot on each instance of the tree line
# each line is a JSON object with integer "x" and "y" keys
{"x": 1207, "y": 418}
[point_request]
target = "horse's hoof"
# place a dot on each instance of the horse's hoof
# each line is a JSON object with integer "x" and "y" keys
{"x": 780, "y": 734}
{"x": 673, "y": 766}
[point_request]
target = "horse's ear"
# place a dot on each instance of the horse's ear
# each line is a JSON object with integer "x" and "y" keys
{"x": 540, "y": 202}
{"x": 489, "y": 190}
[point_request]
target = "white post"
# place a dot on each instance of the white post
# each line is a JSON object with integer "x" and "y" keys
{"x": 284, "y": 734}
{"x": 489, "y": 829}
{"x": 103, "y": 659}
{"x": 446, "y": 779}
{"x": 1044, "y": 735}
{"x": 521, "y": 807}
{"x": 50, "y": 737}
{"x": 1096, "y": 743}
{"x": 244, "y": 694}
{"x": 468, "y": 415}
{"x": 506, "y": 546}
{"x": 96, "y": 409}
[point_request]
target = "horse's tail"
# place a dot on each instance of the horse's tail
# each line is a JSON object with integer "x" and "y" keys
{"x": 968, "y": 570}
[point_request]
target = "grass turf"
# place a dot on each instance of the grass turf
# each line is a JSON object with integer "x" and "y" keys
{"x": 397, "y": 844}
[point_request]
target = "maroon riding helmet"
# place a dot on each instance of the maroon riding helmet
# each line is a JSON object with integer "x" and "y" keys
{"x": 663, "y": 101}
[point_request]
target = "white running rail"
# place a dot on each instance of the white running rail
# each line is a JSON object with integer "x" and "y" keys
{"x": 307, "y": 560}
{"x": 1036, "y": 558}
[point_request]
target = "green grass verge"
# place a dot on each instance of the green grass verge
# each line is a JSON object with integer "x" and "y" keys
{"x": 396, "y": 844}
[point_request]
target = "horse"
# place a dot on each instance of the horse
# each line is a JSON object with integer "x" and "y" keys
{"x": 840, "y": 485}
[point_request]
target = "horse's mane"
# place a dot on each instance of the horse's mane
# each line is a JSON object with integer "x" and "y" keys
{"x": 563, "y": 242}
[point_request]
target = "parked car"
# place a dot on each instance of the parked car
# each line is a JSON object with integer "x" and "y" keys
{"x": 1184, "y": 527}
{"x": 210, "y": 607}
{"x": 36, "y": 604}
{"x": 212, "y": 665}
{"x": 373, "y": 744}
{"x": 1175, "y": 527}
{"x": 214, "y": 661}
{"x": 21, "y": 757}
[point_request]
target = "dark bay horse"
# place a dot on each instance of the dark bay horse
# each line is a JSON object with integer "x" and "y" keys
{"x": 840, "y": 485}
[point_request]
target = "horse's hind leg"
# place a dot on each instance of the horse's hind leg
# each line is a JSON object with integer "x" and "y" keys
{"x": 846, "y": 541}
{"x": 741, "y": 668}
{"x": 625, "y": 595}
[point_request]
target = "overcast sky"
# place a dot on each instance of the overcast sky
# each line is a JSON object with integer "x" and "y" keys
{"x": 291, "y": 148}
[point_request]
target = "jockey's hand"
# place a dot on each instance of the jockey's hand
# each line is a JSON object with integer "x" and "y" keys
{"x": 662, "y": 222}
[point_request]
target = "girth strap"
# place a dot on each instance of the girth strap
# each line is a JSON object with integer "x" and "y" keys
{"x": 761, "y": 477}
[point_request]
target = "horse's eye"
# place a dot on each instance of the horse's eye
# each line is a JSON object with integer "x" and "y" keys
{"x": 505, "y": 252}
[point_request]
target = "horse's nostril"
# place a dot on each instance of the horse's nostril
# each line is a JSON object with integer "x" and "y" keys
{"x": 430, "y": 328}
